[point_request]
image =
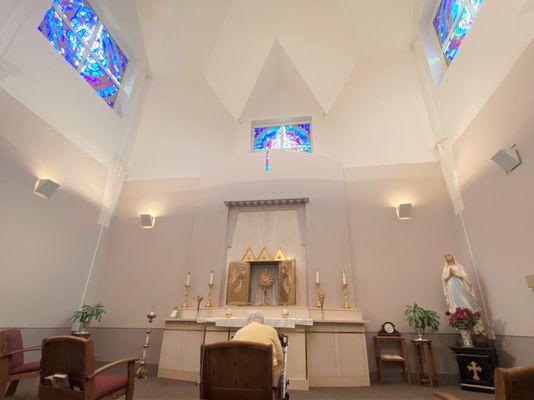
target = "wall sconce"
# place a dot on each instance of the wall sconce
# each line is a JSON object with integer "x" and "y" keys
{"x": 147, "y": 221}
{"x": 45, "y": 187}
{"x": 404, "y": 211}
{"x": 530, "y": 282}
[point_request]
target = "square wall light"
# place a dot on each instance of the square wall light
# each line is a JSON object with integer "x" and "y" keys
{"x": 45, "y": 187}
{"x": 147, "y": 221}
{"x": 404, "y": 211}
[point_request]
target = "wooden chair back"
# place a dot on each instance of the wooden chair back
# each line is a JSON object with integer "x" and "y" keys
{"x": 514, "y": 383}
{"x": 236, "y": 370}
{"x": 72, "y": 356}
{"x": 11, "y": 340}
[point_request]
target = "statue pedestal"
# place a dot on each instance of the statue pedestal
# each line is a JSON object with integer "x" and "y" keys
{"x": 325, "y": 348}
{"x": 476, "y": 366}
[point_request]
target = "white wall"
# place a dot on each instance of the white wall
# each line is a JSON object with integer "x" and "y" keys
{"x": 46, "y": 245}
{"x": 497, "y": 211}
{"x": 380, "y": 116}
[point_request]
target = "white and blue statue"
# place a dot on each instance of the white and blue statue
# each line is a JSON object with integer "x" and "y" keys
{"x": 458, "y": 290}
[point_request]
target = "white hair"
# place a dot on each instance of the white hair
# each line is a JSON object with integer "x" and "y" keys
{"x": 257, "y": 316}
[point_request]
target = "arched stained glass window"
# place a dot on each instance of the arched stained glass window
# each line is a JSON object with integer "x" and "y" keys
{"x": 454, "y": 18}
{"x": 75, "y": 31}
{"x": 290, "y": 137}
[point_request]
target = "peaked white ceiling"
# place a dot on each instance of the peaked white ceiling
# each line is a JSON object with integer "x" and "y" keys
{"x": 228, "y": 42}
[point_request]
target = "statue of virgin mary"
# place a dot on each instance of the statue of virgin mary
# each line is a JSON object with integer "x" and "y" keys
{"x": 458, "y": 290}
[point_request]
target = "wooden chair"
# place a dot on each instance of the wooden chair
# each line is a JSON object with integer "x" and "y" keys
{"x": 12, "y": 365}
{"x": 74, "y": 357}
{"x": 236, "y": 370}
{"x": 401, "y": 358}
{"x": 510, "y": 384}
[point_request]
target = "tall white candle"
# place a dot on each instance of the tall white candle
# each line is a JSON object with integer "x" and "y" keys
{"x": 211, "y": 278}
{"x": 344, "y": 278}
{"x": 188, "y": 279}
{"x": 317, "y": 281}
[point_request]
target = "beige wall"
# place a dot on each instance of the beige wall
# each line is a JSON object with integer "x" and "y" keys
{"x": 46, "y": 245}
{"x": 398, "y": 262}
{"x": 498, "y": 208}
{"x": 143, "y": 269}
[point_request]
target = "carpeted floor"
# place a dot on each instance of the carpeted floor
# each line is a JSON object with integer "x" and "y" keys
{"x": 164, "y": 389}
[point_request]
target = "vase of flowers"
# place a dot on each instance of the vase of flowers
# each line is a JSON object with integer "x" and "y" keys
{"x": 199, "y": 301}
{"x": 321, "y": 296}
{"x": 464, "y": 320}
{"x": 421, "y": 319}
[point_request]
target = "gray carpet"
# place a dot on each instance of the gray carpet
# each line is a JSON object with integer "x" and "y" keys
{"x": 163, "y": 389}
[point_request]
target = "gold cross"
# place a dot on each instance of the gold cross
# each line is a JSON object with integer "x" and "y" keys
{"x": 475, "y": 369}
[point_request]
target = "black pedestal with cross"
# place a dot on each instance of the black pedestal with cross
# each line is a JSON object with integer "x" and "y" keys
{"x": 476, "y": 365}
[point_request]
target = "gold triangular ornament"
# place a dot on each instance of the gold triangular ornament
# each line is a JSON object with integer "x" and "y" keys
{"x": 264, "y": 255}
{"x": 280, "y": 256}
{"x": 248, "y": 256}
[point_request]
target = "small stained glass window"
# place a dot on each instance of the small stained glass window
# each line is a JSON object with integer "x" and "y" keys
{"x": 76, "y": 32}
{"x": 292, "y": 136}
{"x": 454, "y": 18}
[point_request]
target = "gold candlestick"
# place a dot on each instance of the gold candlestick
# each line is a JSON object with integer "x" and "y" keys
{"x": 185, "y": 304}
{"x": 318, "y": 292}
{"x": 208, "y": 302}
{"x": 141, "y": 372}
{"x": 346, "y": 304}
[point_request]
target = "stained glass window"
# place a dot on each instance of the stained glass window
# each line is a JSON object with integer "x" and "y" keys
{"x": 76, "y": 32}
{"x": 454, "y": 18}
{"x": 289, "y": 137}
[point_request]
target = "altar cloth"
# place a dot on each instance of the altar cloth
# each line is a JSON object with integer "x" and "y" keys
{"x": 240, "y": 322}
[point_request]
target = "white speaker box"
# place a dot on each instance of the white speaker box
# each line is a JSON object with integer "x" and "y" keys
{"x": 507, "y": 158}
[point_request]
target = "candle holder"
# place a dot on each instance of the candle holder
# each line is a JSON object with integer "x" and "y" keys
{"x": 142, "y": 371}
{"x": 185, "y": 303}
{"x": 208, "y": 302}
{"x": 317, "y": 294}
{"x": 346, "y": 305}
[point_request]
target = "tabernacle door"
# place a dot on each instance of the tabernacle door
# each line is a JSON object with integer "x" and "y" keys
{"x": 238, "y": 283}
{"x": 287, "y": 282}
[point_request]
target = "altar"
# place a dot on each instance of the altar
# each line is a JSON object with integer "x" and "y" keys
{"x": 326, "y": 348}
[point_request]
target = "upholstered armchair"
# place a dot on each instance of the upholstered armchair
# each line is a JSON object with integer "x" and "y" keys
{"x": 74, "y": 357}
{"x": 510, "y": 384}
{"x": 239, "y": 370}
{"x": 12, "y": 365}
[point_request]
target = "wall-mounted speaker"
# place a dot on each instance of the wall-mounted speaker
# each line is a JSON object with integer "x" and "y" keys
{"x": 45, "y": 187}
{"x": 404, "y": 211}
{"x": 507, "y": 158}
{"x": 147, "y": 221}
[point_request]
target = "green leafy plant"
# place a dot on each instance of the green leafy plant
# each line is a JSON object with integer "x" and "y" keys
{"x": 418, "y": 317}
{"x": 88, "y": 313}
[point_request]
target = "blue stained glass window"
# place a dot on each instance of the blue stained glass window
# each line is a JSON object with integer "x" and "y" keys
{"x": 63, "y": 39}
{"x": 454, "y": 18}
{"x": 290, "y": 137}
{"x": 84, "y": 22}
{"x": 109, "y": 54}
{"x": 94, "y": 74}
{"x": 76, "y": 32}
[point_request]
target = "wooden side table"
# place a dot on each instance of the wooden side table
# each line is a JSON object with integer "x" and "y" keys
{"x": 401, "y": 358}
{"x": 425, "y": 367}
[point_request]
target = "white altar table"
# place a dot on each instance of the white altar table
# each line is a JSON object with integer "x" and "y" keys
{"x": 325, "y": 348}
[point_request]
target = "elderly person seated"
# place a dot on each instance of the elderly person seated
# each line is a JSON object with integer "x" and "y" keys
{"x": 256, "y": 331}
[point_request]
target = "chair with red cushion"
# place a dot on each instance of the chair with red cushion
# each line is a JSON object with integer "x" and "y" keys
{"x": 12, "y": 365}
{"x": 74, "y": 357}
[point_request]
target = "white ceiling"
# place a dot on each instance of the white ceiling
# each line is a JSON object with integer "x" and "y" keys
{"x": 229, "y": 41}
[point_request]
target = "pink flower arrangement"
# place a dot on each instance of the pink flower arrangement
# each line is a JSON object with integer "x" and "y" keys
{"x": 463, "y": 318}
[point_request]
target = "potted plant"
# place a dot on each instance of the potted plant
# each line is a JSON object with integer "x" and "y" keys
{"x": 464, "y": 320}
{"x": 420, "y": 319}
{"x": 85, "y": 315}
